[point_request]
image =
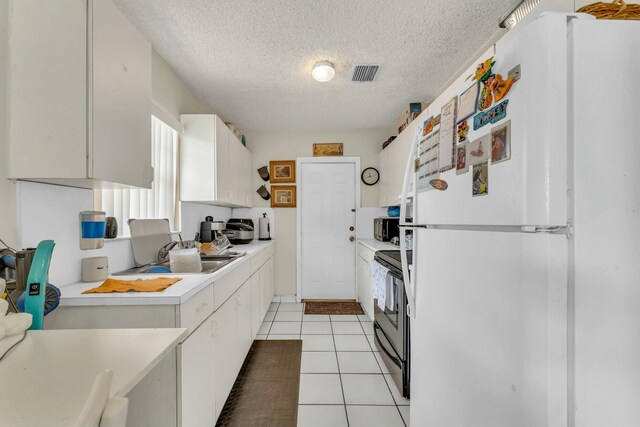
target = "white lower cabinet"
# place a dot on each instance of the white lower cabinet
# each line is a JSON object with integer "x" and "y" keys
{"x": 226, "y": 352}
{"x": 205, "y": 365}
{"x": 197, "y": 379}
{"x": 365, "y": 287}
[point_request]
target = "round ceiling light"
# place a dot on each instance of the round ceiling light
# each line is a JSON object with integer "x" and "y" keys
{"x": 323, "y": 71}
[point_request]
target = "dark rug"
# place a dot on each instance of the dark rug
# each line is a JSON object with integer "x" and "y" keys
{"x": 332, "y": 307}
{"x": 266, "y": 390}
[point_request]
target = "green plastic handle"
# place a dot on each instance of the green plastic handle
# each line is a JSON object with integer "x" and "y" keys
{"x": 37, "y": 283}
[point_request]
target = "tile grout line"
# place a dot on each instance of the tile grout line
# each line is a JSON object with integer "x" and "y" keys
{"x": 383, "y": 374}
{"x": 344, "y": 399}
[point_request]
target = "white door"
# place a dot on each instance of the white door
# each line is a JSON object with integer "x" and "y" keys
{"x": 327, "y": 203}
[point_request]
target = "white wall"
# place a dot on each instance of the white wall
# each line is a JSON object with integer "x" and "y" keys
{"x": 287, "y": 145}
{"x": 7, "y": 188}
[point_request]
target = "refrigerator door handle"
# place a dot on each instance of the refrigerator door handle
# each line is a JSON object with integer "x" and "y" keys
{"x": 408, "y": 288}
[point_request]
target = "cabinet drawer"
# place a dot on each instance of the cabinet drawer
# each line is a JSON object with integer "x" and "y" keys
{"x": 226, "y": 286}
{"x": 258, "y": 260}
{"x": 365, "y": 253}
{"x": 196, "y": 309}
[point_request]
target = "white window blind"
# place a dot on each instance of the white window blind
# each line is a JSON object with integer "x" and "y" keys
{"x": 161, "y": 201}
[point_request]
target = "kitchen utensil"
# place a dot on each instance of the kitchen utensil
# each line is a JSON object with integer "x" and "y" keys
{"x": 95, "y": 269}
{"x": 264, "y": 173}
{"x": 264, "y": 228}
{"x": 263, "y": 192}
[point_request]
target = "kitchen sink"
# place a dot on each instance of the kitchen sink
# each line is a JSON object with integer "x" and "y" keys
{"x": 210, "y": 264}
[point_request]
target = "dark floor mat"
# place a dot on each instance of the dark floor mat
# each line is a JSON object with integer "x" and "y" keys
{"x": 266, "y": 390}
{"x": 332, "y": 307}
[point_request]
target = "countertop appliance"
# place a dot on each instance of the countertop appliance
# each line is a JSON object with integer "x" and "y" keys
{"x": 385, "y": 229}
{"x": 239, "y": 231}
{"x": 391, "y": 324}
{"x": 210, "y": 229}
{"x": 524, "y": 302}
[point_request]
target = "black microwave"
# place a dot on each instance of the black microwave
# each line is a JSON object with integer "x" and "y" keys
{"x": 385, "y": 229}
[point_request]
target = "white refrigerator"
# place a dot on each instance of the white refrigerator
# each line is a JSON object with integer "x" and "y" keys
{"x": 525, "y": 302}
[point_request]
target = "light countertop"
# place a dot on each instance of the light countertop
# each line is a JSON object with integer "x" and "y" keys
{"x": 376, "y": 245}
{"x": 191, "y": 284}
{"x": 46, "y": 379}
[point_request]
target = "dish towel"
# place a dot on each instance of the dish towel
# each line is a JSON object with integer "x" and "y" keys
{"x": 138, "y": 285}
{"x": 379, "y": 274}
{"x": 390, "y": 300}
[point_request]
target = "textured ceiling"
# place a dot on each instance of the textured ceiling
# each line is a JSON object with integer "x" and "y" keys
{"x": 251, "y": 60}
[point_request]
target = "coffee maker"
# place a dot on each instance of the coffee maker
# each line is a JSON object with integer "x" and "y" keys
{"x": 211, "y": 230}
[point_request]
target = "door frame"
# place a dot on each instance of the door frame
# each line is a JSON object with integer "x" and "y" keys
{"x": 300, "y": 161}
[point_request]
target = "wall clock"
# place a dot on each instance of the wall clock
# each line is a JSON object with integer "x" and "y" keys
{"x": 370, "y": 176}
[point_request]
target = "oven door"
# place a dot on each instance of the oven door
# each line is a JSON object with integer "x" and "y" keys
{"x": 391, "y": 320}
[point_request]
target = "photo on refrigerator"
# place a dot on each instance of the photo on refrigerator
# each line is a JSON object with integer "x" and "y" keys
{"x": 501, "y": 143}
{"x": 480, "y": 179}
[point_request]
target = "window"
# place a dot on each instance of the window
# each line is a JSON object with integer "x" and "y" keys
{"x": 161, "y": 201}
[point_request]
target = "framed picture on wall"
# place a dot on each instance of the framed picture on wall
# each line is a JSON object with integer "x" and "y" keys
{"x": 282, "y": 171}
{"x": 283, "y": 196}
{"x": 328, "y": 149}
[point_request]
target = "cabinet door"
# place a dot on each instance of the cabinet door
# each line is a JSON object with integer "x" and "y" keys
{"x": 236, "y": 171}
{"x": 266, "y": 286}
{"x": 120, "y": 143}
{"x": 269, "y": 269}
{"x": 222, "y": 161}
{"x": 256, "y": 304}
{"x": 225, "y": 351}
{"x": 197, "y": 380}
{"x": 247, "y": 167}
{"x": 48, "y": 96}
{"x": 365, "y": 289}
{"x": 245, "y": 337}
{"x": 383, "y": 185}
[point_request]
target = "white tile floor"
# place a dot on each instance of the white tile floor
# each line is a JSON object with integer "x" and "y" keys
{"x": 342, "y": 380}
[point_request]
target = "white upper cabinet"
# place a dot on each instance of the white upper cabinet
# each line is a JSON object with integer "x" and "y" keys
{"x": 393, "y": 160}
{"x": 215, "y": 167}
{"x": 80, "y": 95}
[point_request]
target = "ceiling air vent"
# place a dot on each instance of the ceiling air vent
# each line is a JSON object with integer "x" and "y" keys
{"x": 364, "y": 73}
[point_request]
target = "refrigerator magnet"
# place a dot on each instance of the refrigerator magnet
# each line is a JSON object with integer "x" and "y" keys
{"x": 501, "y": 143}
{"x": 492, "y": 115}
{"x": 463, "y": 131}
{"x": 439, "y": 184}
{"x": 480, "y": 183}
{"x": 462, "y": 162}
{"x": 479, "y": 150}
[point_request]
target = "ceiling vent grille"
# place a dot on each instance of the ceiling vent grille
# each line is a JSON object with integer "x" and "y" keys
{"x": 365, "y": 73}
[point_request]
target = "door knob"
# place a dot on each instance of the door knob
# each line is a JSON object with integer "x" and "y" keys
{"x": 351, "y": 238}
{"x": 351, "y": 228}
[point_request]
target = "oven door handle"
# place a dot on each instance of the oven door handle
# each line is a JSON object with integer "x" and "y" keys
{"x": 393, "y": 358}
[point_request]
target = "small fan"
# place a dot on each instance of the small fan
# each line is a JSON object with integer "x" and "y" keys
{"x": 51, "y": 299}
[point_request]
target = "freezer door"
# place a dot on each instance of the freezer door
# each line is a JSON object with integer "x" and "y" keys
{"x": 607, "y": 223}
{"x": 489, "y": 341}
{"x": 531, "y": 187}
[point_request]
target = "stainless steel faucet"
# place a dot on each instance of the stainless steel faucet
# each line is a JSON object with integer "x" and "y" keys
{"x": 163, "y": 253}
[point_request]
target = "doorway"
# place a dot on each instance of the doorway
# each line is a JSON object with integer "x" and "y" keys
{"x": 328, "y": 197}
